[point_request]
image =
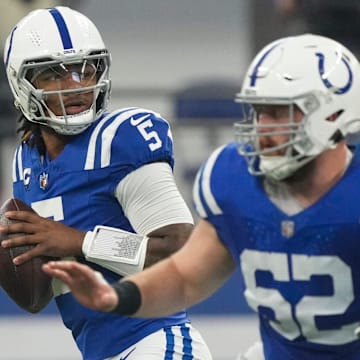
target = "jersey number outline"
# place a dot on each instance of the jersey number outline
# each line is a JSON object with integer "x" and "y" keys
{"x": 53, "y": 208}
{"x": 50, "y": 208}
{"x": 300, "y": 320}
{"x": 148, "y": 135}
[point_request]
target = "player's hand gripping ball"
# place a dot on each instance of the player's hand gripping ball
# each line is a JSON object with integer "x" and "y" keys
{"x": 26, "y": 284}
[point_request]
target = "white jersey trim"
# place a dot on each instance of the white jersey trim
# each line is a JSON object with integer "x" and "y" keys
{"x": 90, "y": 156}
{"x": 17, "y": 163}
{"x": 204, "y": 181}
{"x": 150, "y": 198}
{"x": 196, "y": 196}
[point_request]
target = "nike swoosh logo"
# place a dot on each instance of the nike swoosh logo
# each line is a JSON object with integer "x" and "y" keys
{"x": 127, "y": 355}
{"x": 135, "y": 122}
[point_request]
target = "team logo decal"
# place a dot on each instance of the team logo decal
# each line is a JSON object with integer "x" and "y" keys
{"x": 254, "y": 76}
{"x": 287, "y": 228}
{"x": 43, "y": 181}
{"x": 327, "y": 83}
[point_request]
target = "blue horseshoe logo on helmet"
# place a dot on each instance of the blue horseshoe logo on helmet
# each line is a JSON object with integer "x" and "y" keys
{"x": 327, "y": 83}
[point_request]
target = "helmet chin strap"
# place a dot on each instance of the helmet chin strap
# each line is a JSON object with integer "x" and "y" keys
{"x": 279, "y": 168}
{"x": 276, "y": 167}
{"x": 61, "y": 125}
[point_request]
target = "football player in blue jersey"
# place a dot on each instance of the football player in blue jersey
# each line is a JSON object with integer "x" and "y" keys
{"x": 101, "y": 182}
{"x": 281, "y": 203}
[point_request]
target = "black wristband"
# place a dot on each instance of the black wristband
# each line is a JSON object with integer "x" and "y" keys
{"x": 129, "y": 297}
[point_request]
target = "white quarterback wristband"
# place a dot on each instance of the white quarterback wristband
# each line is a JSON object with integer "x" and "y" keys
{"x": 117, "y": 250}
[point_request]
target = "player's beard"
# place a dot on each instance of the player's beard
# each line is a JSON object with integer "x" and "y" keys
{"x": 300, "y": 174}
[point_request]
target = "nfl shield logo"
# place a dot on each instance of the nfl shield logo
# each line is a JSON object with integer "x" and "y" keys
{"x": 44, "y": 181}
{"x": 287, "y": 228}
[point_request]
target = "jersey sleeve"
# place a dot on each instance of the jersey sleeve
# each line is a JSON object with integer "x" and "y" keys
{"x": 133, "y": 138}
{"x": 150, "y": 199}
{"x": 221, "y": 177}
{"x": 207, "y": 185}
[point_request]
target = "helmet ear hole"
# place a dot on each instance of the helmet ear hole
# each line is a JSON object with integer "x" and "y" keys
{"x": 337, "y": 137}
{"x": 334, "y": 116}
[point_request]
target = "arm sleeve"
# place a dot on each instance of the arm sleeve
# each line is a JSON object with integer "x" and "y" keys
{"x": 150, "y": 198}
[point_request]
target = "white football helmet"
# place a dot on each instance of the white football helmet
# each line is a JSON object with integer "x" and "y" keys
{"x": 319, "y": 76}
{"x": 52, "y": 39}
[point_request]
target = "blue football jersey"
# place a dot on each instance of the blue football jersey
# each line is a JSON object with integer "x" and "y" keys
{"x": 301, "y": 272}
{"x": 77, "y": 189}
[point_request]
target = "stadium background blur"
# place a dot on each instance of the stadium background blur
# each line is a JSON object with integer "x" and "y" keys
{"x": 184, "y": 59}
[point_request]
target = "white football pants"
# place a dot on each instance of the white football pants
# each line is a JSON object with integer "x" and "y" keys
{"x": 170, "y": 343}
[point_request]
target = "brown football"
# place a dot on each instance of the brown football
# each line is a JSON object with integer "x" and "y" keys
{"x": 26, "y": 284}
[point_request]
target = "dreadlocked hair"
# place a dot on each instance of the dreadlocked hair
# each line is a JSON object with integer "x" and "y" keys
{"x": 31, "y": 134}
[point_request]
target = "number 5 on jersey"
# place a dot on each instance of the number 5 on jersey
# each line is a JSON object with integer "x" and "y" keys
{"x": 143, "y": 128}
